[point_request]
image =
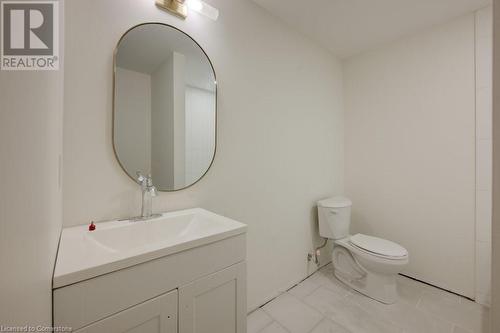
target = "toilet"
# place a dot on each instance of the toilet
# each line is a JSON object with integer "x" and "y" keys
{"x": 365, "y": 263}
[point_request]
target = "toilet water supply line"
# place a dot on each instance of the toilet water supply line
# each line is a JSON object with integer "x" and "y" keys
{"x": 317, "y": 252}
{"x": 356, "y": 267}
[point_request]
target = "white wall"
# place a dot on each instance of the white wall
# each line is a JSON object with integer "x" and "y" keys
{"x": 280, "y": 140}
{"x": 484, "y": 49}
{"x": 410, "y": 150}
{"x": 30, "y": 192}
{"x": 133, "y": 122}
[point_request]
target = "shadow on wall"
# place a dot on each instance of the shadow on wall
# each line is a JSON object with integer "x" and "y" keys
{"x": 325, "y": 253}
{"x": 360, "y": 224}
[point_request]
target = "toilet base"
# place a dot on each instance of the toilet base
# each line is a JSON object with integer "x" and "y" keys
{"x": 380, "y": 287}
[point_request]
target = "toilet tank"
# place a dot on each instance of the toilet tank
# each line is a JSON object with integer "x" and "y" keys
{"x": 334, "y": 216}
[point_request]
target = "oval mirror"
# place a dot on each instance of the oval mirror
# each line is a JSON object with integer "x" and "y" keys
{"x": 164, "y": 106}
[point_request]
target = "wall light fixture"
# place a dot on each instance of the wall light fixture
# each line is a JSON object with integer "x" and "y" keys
{"x": 180, "y": 8}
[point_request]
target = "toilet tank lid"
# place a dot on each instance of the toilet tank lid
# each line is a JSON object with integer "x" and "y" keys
{"x": 335, "y": 202}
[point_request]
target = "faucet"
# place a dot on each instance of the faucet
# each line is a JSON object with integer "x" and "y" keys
{"x": 148, "y": 192}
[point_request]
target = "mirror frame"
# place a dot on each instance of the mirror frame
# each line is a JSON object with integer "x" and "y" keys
{"x": 114, "y": 102}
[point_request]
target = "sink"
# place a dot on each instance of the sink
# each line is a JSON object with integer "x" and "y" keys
{"x": 164, "y": 231}
{"x": 119, "y": 244}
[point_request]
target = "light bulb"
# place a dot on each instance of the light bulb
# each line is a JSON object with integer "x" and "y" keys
{"x": 195, "y": 5}
{"x": 203, "y": 8}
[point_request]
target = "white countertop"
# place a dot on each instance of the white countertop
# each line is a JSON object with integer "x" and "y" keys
{"x": 116, "y": 245}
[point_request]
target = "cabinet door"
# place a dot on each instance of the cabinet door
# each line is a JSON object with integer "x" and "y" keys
{"x": 158, "y": 315}
{"x": 215, "y": 303}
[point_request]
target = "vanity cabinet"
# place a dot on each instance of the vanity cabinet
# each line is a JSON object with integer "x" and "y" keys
{"x": 215, "y": 303}
{"x": 198, "y": 290}
{"x": 158, "y": 315}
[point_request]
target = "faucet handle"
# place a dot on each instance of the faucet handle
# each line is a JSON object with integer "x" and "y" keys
{"x": 140, "y": 177}
{"x": 149, "y": 180}
{"x": 150, "y": 186}
{"x": 152, "y": 191}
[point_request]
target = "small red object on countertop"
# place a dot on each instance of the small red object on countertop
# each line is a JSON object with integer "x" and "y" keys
{"x": 92, "y": 226}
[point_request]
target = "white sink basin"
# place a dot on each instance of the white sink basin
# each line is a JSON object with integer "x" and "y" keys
{"x": 115, "y": 245}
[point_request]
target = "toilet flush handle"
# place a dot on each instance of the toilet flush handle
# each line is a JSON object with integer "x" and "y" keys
{"x": 333, "y": 211}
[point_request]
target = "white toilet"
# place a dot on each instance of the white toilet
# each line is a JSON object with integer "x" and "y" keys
{"x": 365, "y": 263}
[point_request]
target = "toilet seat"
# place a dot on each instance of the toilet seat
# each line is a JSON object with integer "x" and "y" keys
{"x": 378, "y": 246}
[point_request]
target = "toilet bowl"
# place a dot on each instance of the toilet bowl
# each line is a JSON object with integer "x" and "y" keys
{"x": 365, "y": 263}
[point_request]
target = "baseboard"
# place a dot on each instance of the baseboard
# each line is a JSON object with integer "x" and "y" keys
{"x": 443, "y": 289}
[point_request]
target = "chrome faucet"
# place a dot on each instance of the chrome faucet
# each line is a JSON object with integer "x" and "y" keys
{"x": 148, "y": 192}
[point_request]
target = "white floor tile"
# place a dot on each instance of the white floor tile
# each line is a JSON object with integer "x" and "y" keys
{"x": 468, "y": 315}
{"x": 292, "y": 314}
{"x": 274, "y": 327}
{"x": 325, "y": 278}
{"x": 257, "y": 320}
{"x": 403, "y": 315}
{"x": 327, "y": 326}
{"x": 328, "y": 269}
{"x": 348, "y": 314}
{"x": 304, "y": 288}
{"x": 457, "y": 329}
{"x": 409, "y": 290}
{"x": 322, "y": 304}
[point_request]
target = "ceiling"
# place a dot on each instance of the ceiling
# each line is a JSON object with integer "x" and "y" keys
{"x": 348, "y": 27}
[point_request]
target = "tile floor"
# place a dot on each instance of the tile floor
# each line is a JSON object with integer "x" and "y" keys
{"x": 322, "y": 304}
